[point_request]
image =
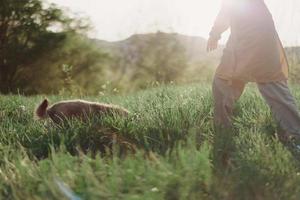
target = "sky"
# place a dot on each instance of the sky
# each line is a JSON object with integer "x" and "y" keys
{"x": 115, "y": 20}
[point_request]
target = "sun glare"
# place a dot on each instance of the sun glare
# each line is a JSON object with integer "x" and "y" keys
{"x": 115, "y": 19}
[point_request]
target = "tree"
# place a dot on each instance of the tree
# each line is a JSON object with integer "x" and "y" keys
{"x": 163, "y": 59}
{"x": 88, "y": 66}
{"x": 27, "y": 33}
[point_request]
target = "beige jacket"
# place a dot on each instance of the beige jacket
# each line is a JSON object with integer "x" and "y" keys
{"x": 254, "y": 52}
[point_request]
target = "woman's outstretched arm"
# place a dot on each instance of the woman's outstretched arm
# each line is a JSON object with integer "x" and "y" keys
{"x": 221, "y": 24}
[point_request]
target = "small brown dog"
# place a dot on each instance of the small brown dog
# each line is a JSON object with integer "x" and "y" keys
{"x": 63, "y": 110}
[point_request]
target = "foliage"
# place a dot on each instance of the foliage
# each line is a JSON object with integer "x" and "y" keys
{"x": 293, "y": 54}
{"x": 86, "y": 75}
{"x": 31, "y": 30}
{"x": 162, "y": 59}
{"x": 144, "y": 60}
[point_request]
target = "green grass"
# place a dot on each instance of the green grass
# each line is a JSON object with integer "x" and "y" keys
{"x": 39, "y": 160}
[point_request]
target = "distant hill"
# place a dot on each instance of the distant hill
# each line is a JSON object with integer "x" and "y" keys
{"x": 165, "y": 57}
{"x": 128, "y": 49}
{"x": 194, "y": 46}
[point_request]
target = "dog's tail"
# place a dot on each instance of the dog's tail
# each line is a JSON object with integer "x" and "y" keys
{"x": 41, "y": 110}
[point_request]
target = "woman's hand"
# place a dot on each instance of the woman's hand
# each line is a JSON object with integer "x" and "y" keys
{"x": 212, "y": 44}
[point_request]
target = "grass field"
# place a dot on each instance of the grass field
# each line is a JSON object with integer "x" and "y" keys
{"x": 42, "y": 161}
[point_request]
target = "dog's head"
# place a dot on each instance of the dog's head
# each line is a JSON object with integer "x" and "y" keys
{"x": 41, "y": 111}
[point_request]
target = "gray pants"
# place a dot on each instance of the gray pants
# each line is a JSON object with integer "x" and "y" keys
{"x": 276, "y": 94}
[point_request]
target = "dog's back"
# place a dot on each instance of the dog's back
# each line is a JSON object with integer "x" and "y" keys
{"x": 78, "y": 109}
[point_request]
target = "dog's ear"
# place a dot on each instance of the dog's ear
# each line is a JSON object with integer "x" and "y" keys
{"x": 45, "y": 102}
{"x": 41, "y": 110}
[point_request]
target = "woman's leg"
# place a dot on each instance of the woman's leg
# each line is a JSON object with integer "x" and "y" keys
{"x": 225, "y": 93}
{"x": 283, "y": 106}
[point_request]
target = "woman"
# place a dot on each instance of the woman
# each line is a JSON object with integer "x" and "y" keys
{"x": 253, "y": 53}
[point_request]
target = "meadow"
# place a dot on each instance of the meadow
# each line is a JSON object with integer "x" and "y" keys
{"x": 41, "y": 161}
